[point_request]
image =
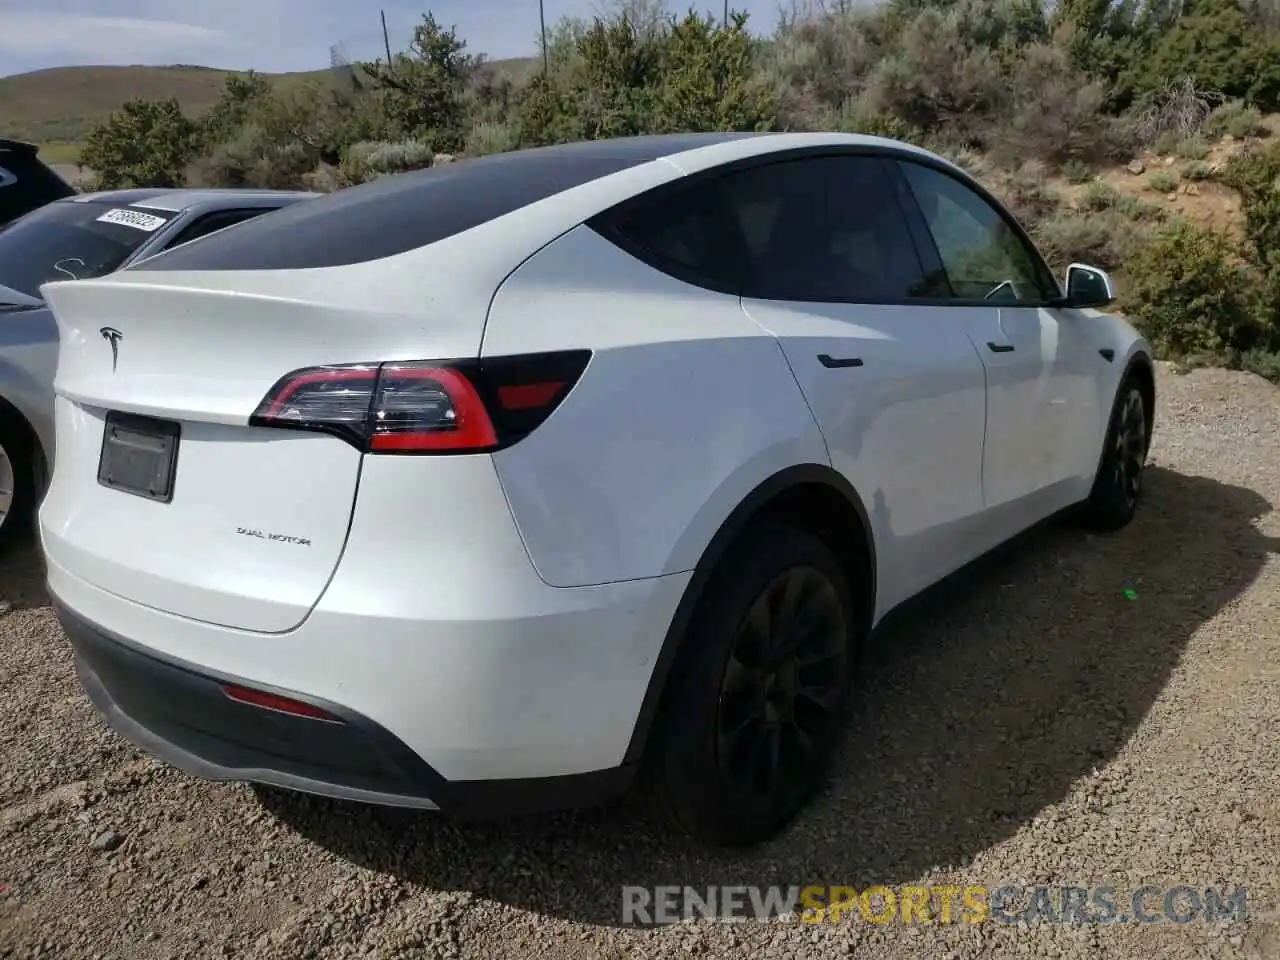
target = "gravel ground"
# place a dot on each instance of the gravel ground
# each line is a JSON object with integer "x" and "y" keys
{"x": 1029, "y": 724}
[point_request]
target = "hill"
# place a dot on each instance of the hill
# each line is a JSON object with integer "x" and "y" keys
{"x": 57, "y": 108}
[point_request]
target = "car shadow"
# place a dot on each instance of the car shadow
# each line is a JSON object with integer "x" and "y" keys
{"x": 22, "y": 575}
{"x": 980, "y": 706}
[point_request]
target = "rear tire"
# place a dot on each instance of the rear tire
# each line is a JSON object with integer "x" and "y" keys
{"x": 17, "y": 484}
{"x": 757, "y": 696}
{"x": 1117, "y": 488}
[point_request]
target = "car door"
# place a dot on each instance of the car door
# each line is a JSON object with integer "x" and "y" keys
{"x": 1041, "y": 365}
{"x": 894, "y": 383}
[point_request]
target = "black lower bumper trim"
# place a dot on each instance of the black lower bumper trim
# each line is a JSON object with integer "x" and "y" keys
{"x": 179, "y": 713}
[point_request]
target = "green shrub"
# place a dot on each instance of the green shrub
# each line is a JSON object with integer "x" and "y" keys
{"x": 1218, "y": 44}
{"x": 1262, "y": 361}
{"x": 422, "y": 95}
{"x": 1027, "y": 195}
{"x": 1076, "y": 172}
{"x": 1055, "y": 113}
{"x": 1237, "y": 119}
{"x": 854, "y": 119}
{"x": 242, "y": 96}
{"x": 1256, "y": 176}
{"x": 146, "y": 143}
{"x": 1103, "y": 239}
{"x": 1191, "y": 295}
{"x": 1138, "y": 209}
{"x": 369, "y": 160}
{"x": 1192, "y": 148}
{"x": 487, "y": 138}
{"x": 1163, "y": 181}
{"x": 1166, "y": 143}
{"x": 254, "y": 159}
{"x": 1098, "y": 196}
{"x": 1196, "y": 171}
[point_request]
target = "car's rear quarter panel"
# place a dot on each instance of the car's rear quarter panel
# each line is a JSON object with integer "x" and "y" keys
{"x": 686, "y": 406}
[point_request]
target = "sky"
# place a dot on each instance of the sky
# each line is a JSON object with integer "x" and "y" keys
{"x": 273, "y": 35}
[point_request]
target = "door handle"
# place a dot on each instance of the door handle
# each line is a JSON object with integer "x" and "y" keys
{"x": 1000, "y": 347}
{"x": 833, "y": 363}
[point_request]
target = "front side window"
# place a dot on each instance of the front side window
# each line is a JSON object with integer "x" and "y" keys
{"x": 983, "y": 255}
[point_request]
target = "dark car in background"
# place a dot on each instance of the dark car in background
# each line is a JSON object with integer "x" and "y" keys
{"x": 26, "y": 183}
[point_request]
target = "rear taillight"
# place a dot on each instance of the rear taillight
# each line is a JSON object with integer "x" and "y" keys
{"x": 424, "y": 407}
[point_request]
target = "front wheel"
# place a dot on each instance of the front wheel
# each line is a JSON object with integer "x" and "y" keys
{"x": 757, "y": 695}
{"x": 1118, "y": 485}
{"x": 17, "y": 486}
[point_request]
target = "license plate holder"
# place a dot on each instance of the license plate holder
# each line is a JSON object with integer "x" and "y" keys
{"x": 139, "y": 455}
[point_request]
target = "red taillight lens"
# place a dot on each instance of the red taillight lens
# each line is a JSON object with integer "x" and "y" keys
{"x": 424, "y": 407}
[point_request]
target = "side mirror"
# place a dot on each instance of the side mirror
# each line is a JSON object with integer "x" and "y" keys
{"x": 1089, "y": 287}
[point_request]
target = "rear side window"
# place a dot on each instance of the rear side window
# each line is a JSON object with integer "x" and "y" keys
{"x": 826, "y": 229}
{"x": 212, "y": 222}
{"x": 690, "y": 234}
{"x": 391, "y": 216}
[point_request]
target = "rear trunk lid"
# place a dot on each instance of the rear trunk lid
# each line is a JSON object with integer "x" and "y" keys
{"x": 256, "y": 518}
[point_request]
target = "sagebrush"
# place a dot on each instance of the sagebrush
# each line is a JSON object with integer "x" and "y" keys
{"x": 1012, "y": 90}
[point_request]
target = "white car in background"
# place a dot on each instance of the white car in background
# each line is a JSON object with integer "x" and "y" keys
{"x": 474, "y": 488}
{"x": 81, "y": 237}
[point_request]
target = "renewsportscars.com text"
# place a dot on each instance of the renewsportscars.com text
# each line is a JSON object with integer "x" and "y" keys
{"x": 1147, "y": 904}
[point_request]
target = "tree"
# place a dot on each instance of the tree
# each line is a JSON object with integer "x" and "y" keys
{"x": 422, "y": 93}
{"x": 1215, "y": 43}
{"x": 147, "y": 143}
{"x": 241, "y": 95}
{"x": 709, "y": 78}
{"x": 627, "y": 77}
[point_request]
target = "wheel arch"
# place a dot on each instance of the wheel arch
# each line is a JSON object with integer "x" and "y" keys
{"x": 1141, "y": 368}
{"x": 39, "y": 468}
{"x": 813, "y": 496}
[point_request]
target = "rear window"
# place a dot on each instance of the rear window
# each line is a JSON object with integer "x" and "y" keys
{"x": 397, "y": 214}
{"x": 73, "y": 241}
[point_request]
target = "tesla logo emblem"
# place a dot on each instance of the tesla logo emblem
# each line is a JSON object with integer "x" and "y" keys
{"x": 113, "y": 337}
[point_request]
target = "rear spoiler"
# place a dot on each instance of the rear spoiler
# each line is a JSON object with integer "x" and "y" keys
{"x": 8, "y": 145}
{"x": 26, "y": 183}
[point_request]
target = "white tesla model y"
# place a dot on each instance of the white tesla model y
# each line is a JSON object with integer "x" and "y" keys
{"x": 477, "y": 488}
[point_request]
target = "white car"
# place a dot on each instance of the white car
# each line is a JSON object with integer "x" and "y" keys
{"x": 473, "y": 488}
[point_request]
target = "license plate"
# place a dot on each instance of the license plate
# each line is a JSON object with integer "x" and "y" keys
{"x": 139, "y": 455}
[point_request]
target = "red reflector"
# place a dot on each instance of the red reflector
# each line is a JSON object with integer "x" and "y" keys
{"x": 529, "y": 396}
{"x": 271, "y": 701}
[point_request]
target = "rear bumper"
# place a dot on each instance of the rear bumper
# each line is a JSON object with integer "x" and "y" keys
{"x": 179, "y": 713}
